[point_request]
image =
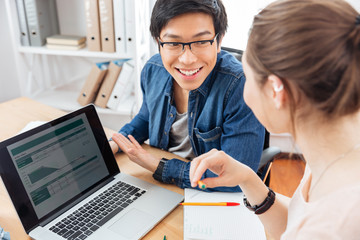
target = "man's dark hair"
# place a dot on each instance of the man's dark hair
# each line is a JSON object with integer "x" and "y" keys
{"x": 165, "y": 10}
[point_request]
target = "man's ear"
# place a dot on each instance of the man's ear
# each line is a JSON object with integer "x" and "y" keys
{"x": 218, "y": 42}
{"x": 277, "y": 90}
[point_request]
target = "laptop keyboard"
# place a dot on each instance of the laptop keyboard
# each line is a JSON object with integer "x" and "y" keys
{"x": 87, "y": 219}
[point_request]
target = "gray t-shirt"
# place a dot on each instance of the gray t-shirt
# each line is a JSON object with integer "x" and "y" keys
{"x": 179, "y": 141}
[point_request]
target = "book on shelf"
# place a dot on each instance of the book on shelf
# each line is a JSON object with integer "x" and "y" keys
{"x": 42, "y": 20}
{"x": 93, "y": 82}
{"x": 130, "y": 26}
{"x": 92, "y": 25}
{"x": 65, "y": 47}
{"x": 109, "y": 82}
{"x": 106, "y": 17}
{"x": 123, "y": 86}
{"x": 119, "y": 25}
{"x": 24, "y": 31}
{"x": 66, "y": 40}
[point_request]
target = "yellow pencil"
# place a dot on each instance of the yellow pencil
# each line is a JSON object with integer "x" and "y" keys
{"x": 210, "y": 204}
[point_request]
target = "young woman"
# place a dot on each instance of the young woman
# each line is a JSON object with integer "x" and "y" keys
{"x": 302, "y": 66}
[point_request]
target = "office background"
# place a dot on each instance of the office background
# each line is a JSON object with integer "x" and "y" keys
{"x": 238, "y": 12}
{"x": 240, "y": 15}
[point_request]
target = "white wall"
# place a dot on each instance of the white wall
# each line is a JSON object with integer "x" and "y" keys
{"x": 240, "y": 16}
{"x": 9, "y": 85}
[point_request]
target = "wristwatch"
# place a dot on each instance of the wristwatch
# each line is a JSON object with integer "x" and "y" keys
{"x": 264, "y": 206}
{"x": 159, "y": 170}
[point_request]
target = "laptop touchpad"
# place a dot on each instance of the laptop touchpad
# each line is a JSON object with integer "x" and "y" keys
{"x": 131, "y": 223}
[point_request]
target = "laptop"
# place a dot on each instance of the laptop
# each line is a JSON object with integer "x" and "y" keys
{"x": 64, "y": 182}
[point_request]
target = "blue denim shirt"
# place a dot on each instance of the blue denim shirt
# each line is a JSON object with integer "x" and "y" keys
{"x": 217, "y": 117}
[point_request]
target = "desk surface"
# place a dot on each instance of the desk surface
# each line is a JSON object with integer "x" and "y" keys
{"x": 15, "y": 114}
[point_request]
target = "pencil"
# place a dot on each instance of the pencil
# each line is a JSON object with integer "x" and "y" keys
{"x": 267, "y": 172}
{"x": 210, "y": 204}
{"x": 201, "y": 184}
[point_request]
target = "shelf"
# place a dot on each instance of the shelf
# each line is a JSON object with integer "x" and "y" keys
{"x": 285, "y": 142}
{"x": 67, "y": 100}
{"x": 77, "y": 53}
{"x": 55, "y": 77}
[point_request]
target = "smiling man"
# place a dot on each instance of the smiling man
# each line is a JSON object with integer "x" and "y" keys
{"x": 192, "y": 95}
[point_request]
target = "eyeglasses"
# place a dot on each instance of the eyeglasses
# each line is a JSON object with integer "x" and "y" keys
{"x": 196, "y": 47}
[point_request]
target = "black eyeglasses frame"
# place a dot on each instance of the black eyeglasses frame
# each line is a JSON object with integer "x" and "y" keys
{"x": 211, "y": 41}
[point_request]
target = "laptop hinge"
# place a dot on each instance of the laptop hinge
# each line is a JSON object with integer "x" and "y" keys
{"x": 72, "y": 204}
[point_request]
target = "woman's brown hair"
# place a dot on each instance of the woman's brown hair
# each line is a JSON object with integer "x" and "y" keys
{"x": 313, "y": 45}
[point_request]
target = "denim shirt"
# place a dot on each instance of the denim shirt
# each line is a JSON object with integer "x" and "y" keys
{"x": 217, "y": 118}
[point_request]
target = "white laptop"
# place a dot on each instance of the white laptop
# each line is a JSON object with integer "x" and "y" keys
{"x": 65, "y": 183}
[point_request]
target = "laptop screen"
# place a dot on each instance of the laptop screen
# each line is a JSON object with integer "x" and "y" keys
{"x": 56, "y": 163}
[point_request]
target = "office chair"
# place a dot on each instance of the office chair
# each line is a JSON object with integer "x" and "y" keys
{"x": 269, "y": 153}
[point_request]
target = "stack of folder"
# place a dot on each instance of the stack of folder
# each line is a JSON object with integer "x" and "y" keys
{"x": 108, "y": 83}
{"x": 37, "y": 21}
{"x": 110, "y": 24}
{"x": 65, "y": 42}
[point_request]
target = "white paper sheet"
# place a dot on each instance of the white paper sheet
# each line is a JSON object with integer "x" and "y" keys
{"x": 31, "y": 125}
{"x": 220, "y": 222}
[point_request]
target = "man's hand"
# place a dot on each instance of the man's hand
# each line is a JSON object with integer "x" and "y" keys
{"x": 136, "y": 152}
{"x": 114, "y": 147}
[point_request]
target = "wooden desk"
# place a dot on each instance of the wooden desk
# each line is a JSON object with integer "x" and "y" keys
{"x": 15, "y": 114}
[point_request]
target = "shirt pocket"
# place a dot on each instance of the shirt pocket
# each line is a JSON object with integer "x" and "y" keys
{"x": 208, "y": 140}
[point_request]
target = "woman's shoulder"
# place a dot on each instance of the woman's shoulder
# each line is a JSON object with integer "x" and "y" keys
{"x": 335, "y": 216}
{"x": 338, "y": 209}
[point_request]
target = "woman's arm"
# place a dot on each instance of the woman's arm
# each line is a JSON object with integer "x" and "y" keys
{"x": 232, "y": 173}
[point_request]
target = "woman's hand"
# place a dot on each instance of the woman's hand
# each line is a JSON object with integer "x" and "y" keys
{"x": 136, "y": 152}
{"x": 230, "y": 172}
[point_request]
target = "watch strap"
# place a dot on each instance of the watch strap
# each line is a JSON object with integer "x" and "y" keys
{"x": 264, "y": 206}
{"x": 159, "y": 170}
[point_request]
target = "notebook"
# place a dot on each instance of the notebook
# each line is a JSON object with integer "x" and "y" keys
{"x": 65, "y": 183}
{"x": 220, "y": 222}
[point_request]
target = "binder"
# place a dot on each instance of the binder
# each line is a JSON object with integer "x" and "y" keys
{"x": 42, "y": 20}
{"x": 108, "y": 83}
{"x": 92, "y": 25}
{"x": 130, "y": 26}
{"x": 23, "y": 26}
{"x": 107, "y": 25}
{"x": 54, "y": 21}
{"x": 93, "y": 82}
{"x": 121, "y": 88}
{"x": 119, "y": 26}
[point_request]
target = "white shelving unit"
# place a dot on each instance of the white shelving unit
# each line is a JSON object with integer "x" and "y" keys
{"x": 55, "y": 77}
{"x": 285, "y": 142}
